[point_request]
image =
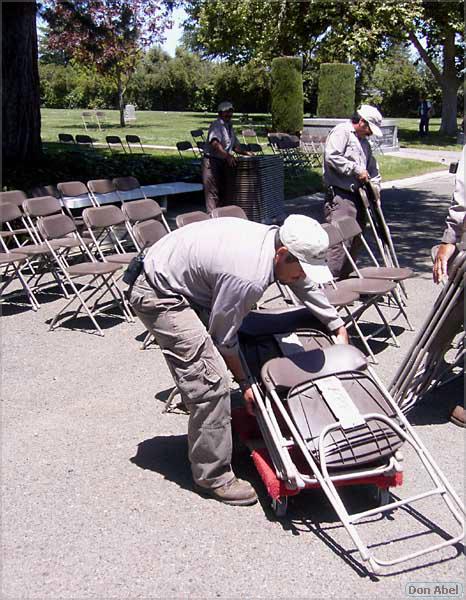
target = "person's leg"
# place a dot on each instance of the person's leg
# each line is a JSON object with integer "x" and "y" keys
{"x": 201, "y": 376}
{"x": 336, "y": 207}
{"x": 210, "y": 181}
{"x": 426, "y": 129}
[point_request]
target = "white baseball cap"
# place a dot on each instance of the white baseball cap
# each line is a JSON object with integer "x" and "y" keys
{"x": 308, "y": 241}
{"x": 224, "y": 106}
{"x": 373, "y": 118}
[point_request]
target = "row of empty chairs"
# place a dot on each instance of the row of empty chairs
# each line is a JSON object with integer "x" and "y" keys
{"x": 114, "y": 142}
{"x": 98, "y": 117}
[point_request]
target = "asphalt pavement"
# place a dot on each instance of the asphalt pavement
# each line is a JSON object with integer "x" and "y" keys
{"x": 97, "y": 499}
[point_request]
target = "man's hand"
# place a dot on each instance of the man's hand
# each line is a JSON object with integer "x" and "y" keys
{"x": 363, "y": 177}
{"x": 248, "y": 397}
{"x": 439, "y": 270}
{"x": 341, "y": 335}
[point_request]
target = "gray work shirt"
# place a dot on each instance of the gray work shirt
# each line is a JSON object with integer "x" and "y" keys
{"x": 225, "y": 265}
{"x": 223, "y": 132}
{"x": 456, "y": 213}
{"x": 346, "y": 156}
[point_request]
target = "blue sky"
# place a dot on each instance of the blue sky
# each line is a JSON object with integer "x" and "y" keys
{"x": 173, "y": 35}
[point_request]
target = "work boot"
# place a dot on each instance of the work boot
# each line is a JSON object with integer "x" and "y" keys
{"x": 236, "y": 492}
{"x": 457, "y": 416}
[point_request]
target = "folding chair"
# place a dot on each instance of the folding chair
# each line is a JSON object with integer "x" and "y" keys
{"x": 202, "y": 148}
{"x": 66, "y": 138}
{"x": 10, "y": 269}
{"x": 103, "y": 191}
{"x": 114, "y": 141}
{"x": 140, "y": 211}
{"x": 13, "y": 232}
{"x": 84, "y": 140}
{"x": 249, "y": 133}
{"x": 39, "y": 260}
{"x": 255, "y": 149}
{"x": 188, "y": 148}
{"x": 191, "y": 217}
{"x": 99, "y": 276}
{"x": 350, "y": 231}
{"x": 45, "y": 190}
{"x": 134, "y": 139}
{"x": 198, "y": 135}
{"x": 86, "y": 117}
{"x": 229, "y": 211}
{"x": 102, "y": 223}
{"x": 100, "y": 118}
{"x": 72, "y": 192}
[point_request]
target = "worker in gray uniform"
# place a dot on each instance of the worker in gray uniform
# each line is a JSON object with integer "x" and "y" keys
{"x": 218, "y": 164}
{"x": 348, "y": 164}
{"x": 198, "y": 284}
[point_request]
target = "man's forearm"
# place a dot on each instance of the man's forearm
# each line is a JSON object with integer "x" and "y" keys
{"x": 235, "y": 365}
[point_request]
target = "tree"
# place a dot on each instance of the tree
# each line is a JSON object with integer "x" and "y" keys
{"x": 362, "y": 30}
{"x": 109, "y": 34}
{"x": 20, "y": 83}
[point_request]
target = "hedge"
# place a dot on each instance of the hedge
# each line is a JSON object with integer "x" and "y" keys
{"x": 336, "y": 90}
{"x": 287, "y": 94}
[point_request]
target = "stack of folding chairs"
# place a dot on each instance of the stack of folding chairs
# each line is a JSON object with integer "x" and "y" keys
{"x": 424, "y": 366}
{"x": 260, "y": 188}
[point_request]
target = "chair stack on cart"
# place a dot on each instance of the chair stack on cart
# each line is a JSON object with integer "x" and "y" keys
{"x": 424, "y": 366}
{"x": 323, "y": 419}
{"x": 260, "y": 188}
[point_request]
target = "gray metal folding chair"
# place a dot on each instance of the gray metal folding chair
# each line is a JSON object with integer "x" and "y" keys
{"x": 229, "y": 211}
{"x": 191, "y": 217}
{"x": 103, "y": 191}
{"x": 114, "y": 142}
{"x": 99, "y": 279}
{"x": 10, "y": 271}
{"x": 134, "y": 140}
{"x": 140, "y": 211}
{"x": 84, "y": 140}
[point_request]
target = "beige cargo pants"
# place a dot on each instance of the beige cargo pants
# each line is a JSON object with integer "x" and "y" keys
{"x": 200, "y": 374}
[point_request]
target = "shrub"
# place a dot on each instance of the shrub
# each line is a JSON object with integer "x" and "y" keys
{"x": 336, "y": 90}
{"x": 287, "y": 94}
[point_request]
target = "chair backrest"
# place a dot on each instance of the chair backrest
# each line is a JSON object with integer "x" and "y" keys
{"x": 148, "y": 233}
{"x": 9, "y": 212}
{"x": 256, "y": 148}
{"x": 141, "y": 210}
{"x": 15, "y": 197}
{"x": 249, "y": 133}
{"x": 125, "y": 184}
{"x": 101, "y": 217}
{"x": 202, "y": 147}
{"x": 197, "y": 133}
{"x": 229, "y": 211}
{"x": 101, "y": 186}
{"x": 334, "y": 234}
{"x": 191, "y": 217}
{"x": 86, "y": 113}
{"x": 56, "y": 226}
{"x": 66, "y": 138}
{"x": 133, "y": 139}
{"x": 42, "y": 206}
{"x": 349, "y": 227}
{"x": 72, "y": 189}
{"x": 113, "y": 139}
{"x": 45, "y": 190}
{"x": 84, "y": 139}
{"x": 182, "y": 146}
{"x": 100, "y": 113}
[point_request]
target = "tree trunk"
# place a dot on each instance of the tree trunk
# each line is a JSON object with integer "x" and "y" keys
{"x": 450, "y": 84}
{"x": 20, "y": 82}
{"x": 121, "y": 102}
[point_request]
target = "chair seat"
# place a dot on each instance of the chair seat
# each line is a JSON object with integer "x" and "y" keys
{"x": 370, "y": 287}
{"x": 7, "y": 258}
{"x": 67, "y": 243}
{"x": 341, "y": 297}
{"x": 393, "y": 273}
{"x": 90, "y": 268}
{"x": 32, "y": 249}
{"x": 122, "y": 259}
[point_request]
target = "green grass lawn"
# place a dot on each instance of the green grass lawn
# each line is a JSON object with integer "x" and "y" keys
{"x": 162, "y": 128}
{"x": 65, "y": 162}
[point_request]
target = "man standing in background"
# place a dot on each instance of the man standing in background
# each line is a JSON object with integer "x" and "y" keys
{"x": 348, "y": 165}
{"x": 425, "y": 112}
{"x": 218, "y": 164}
